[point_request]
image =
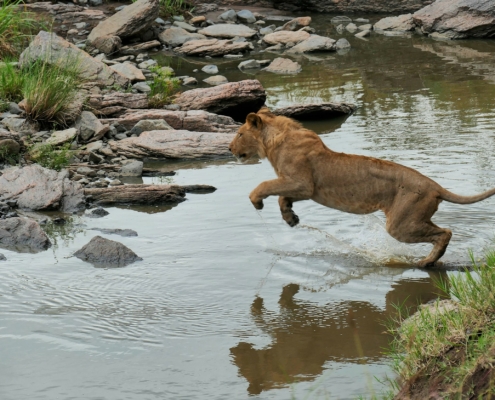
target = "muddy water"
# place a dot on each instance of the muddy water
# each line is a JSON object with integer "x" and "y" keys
{"x": 230, "y": 303}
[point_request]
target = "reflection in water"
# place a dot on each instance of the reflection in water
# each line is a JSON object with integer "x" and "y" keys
{"x": 306, "y": 335}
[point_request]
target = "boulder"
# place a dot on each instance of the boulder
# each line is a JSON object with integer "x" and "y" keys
{"x": 128, "y": 70}
{"x": 283, "y": 66}
{"x": 212, "y": 47}
{"x": 194, "y": 120}
{"x": 55, "y": 50}
{"x": 304, "y": 112}
{"x": 285, "y": 37}
{"x": 230, "y": 16}
{"x": 60, "y": 137}
{"x": 130, "y": 21}
{"x": 246, "y": 17}
{"x": 103, "y": 252}
{"x": 402, "y": 23}
{"x": 234, "y": 99}
{"x": 228, "y": 31}
{"x": 296, "y": 24}
{"x": 458, "y": 19}
{"x": 175, "y": 37}
{"x": 216, "y": 80}
{"x": 23, "y": 235}
{"x": 36, "y": 188}
{"x": 138, "y": 194}
{"x": 314, "y": 43}
{"x": 89, "y": 127}
{"x": 174, "y": 145}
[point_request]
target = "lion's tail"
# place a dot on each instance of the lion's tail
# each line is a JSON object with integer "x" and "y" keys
{"x": 455, "y": 198}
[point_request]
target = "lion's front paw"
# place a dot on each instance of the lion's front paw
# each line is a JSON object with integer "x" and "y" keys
{"x": 257, "y": 202}
{"x": 291, "y": 218}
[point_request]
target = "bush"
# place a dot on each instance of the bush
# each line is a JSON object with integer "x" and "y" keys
{"x": 47, "y": 156}
{"x": 162, "y": 87}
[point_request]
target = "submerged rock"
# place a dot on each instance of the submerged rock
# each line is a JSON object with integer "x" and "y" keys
{"x": 23, "y": 235}
{"x": 2, "y": 257}
{"x": 104, "y": 252}
{"x": 120, "y": 232}
{"x": 97, "y": 213}
{"x": 304, "y": 112}
{"x": 283, "y": 66}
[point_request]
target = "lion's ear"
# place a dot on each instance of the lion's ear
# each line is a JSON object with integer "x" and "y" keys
{"x": 254, "y": 120}
{"x": 264, "y": 110}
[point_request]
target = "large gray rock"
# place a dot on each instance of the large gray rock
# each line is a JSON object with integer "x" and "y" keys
{"x": 285, "y": 37}
{"x": 402, "y": 23}
{"x": 133, "y": 19}
{"x": 89, "y": 127}
{"x": 131, "y": 168}
{"x": 55, "y": 50}
{"x": 229, "y": 16}
{"x": 228, "y": 31}
{"x": 246, "y": 17}
{"x": 175, "y": 37}
{"x": 212, "y": 47}
{"x": 304, "y": 112}
{"x": 283, "y": 66}
{"x": 314, "y": 43}
{"x": 458, "y": 19}
{"x": 194, "y": 120}
{"x": 37, "y": 188}
{"x": 234, "y": 99}
{"x": 174, "y": 145}
{"x": 23, "y": 235}
{"x": 103, "y": 252}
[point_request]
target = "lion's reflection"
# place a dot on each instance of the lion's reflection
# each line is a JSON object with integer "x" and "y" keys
{"x": 306, "y": 335}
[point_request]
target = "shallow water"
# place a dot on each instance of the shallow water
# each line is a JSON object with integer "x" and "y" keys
{"x": 231, "y": 303}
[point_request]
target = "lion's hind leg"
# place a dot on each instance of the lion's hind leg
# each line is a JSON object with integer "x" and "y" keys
{"x": 288, "y": 213}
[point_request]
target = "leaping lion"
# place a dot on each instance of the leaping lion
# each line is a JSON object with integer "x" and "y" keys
{"x": 307, "y": 169}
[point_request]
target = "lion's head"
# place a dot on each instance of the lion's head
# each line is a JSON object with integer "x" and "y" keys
{"x": 246, "y": 143}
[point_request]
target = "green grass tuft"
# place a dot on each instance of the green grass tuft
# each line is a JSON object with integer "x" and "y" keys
{"x": 162, "y": 87}
{"x": 50, "y": 157}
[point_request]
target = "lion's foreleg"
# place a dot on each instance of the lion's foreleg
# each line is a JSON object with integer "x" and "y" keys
{"x": 288, "y": 213}
{"x": 280, "y": 187}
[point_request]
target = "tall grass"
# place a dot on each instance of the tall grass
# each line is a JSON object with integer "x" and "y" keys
{"x": 162, "y": 87}
{"x": 172, "y": 7}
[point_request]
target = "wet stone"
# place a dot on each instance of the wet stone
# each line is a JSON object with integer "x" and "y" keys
{"x": 104, "y": 252}
{"x": 97, "y": 213}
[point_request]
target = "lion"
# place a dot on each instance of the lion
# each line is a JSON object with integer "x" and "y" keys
{"x": 309, "y": 170}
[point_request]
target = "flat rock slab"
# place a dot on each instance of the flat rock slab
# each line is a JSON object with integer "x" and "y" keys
{"x": 103, "y": 252}
{"x": 234, "y": 99}
{"x": 304, "y": 112}
{"x": 458, "y": 19}
{"x": 212, "y": 47}
{"x": 314, "y": 43}
{"x": 128, "y": 22}
{"x": 55, "y": 50}
{"x": 402, "y": 23}
{"x": 23, "y": 235}
{"x": 228, "y": 31}
{"x": 175, "y": 36}
{"x": 194, "y": 120}
{"x": 137, "y": 194}
{"x": 37, "y": 188}
{"x": 117, "y": 101}
{"x": 285, "y": 37}
{"x": 174, "y": 145}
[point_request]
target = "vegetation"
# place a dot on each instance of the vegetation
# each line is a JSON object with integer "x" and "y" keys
{"x": 172, "y": 7}
{"x": 448, "y": 348}
{"x": 7, "y": 156}
{"x": 49, "y": 157}
{"x": 49, "y": 91}
{"x": 15, "y": 28}
{"x": 162, "y": 87}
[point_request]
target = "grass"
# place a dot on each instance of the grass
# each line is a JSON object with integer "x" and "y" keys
{"x": 448, "y": 347}
{"x": 7, "y": 157}
{"x": 48, "y": 91}
{"x": 50, "y": 157}
{"x": 15, "y": 28}
{"x": 162, "y": 87}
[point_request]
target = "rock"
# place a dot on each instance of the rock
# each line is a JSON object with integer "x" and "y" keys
{"x": 86, "y": 171}
{"x": 249, "y": 64}
{"x": 89, "y": 127}
{"x": 97, "y": 212}
{"x": 296, "y": 24}
{"x": 60, "y": 137}
{"x": 210, "y": 69}
{"x": 9, "y": 148}
{"x": 266, "y": 31}
{"x": 283, "y": 66}
{"x": 185, "y": 26}
{"x": 190, "y": 81}
{"x": 129, "y": 71}
{"x": 458, "y": 19}
{"x": 116, "y": 182}
{"x": 115, "y": 102}
{"x": 246, "y": 17}
{"x": 22, "y": 235}
{"x": 363, "y": 34}
{"x": 95, "y": 158}
{"x": 120, "y": 232}
{"x": 366, "y": 27}
{"x": 150, "y": 125}
{"x": 131, "y": 168}
{"x": 108, "y": 44}
{"x": 139, "y": 48}
{"x": 314, "y": 43}
{"x": 212, "y": 47}
{"x": 229, "y": 15}
{"x": 146, "y": 64}
{"x": 132, "y": 20}
{"x": 285, "y": 37}
{"x": 138, "y": 194}
{"x": 351, "y": 27}
{"x": 21, "y": 126}
{"x": 142, "y": 87}
{"x": 95, "y": 146}
{"x": 277, "y": 47}
{"x": 14, "y": 109}
{"x": 402, "y": 23}
{"x": 216, "y": 80}
{"x": 175, "y": 37}
{"x": 102, "y": 252}
{"x": 2, "y": 257}
{"x": 174, "y": 145}
{"x": 194, "y": 120}
{"x": 197, "y": 20}
{"x": 36, "y": 188}
{"x": 304, "y": 112}
{"x": 347, "y": 6}
{"x": 54, "y": 49}
{"x": 234, "y": 99}
{"x": 342, "y": 44}
{"x": 228, "y": 31}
